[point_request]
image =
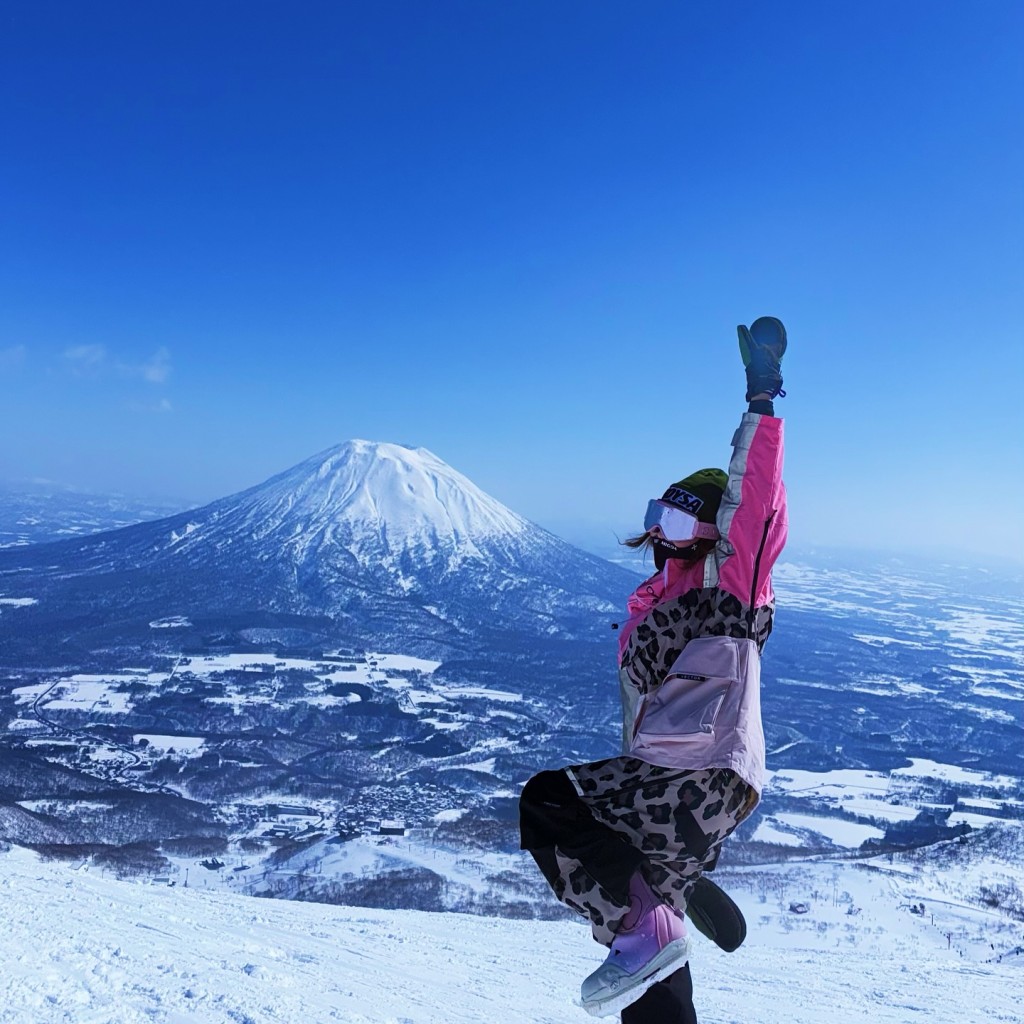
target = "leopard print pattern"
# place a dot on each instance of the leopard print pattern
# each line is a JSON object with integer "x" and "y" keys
{"x": 655, "y": 809}
{"x": 662, "y": 634}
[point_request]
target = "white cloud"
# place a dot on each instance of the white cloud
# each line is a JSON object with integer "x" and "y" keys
{"x": 95, "y": 360}
{"x": 86, "y": 360}
{"x": 156, "y": 369}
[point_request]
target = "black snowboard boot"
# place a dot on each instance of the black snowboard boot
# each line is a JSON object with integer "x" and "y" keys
{"x": 715, "y": 915}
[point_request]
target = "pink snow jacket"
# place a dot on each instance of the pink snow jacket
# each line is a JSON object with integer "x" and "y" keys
{"x": 689, "y": 651}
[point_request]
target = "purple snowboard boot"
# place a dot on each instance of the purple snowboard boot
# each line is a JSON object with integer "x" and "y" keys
{"x": 650, "y": 945}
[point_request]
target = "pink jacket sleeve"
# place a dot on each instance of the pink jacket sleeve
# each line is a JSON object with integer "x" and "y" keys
{"x": 752, "y": 518}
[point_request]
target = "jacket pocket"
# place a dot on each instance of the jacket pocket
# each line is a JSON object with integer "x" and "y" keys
{"x": 690, "y": 698}
{"x": 707, "y": 712}
{"x": 685, "y": 705}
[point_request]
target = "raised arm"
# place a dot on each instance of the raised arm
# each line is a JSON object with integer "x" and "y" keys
{"x": 752, "y": 518}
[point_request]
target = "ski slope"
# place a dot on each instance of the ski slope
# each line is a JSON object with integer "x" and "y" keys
{"x": 78, "y": 947}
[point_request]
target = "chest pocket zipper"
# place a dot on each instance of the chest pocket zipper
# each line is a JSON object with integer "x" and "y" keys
{"x": 684, "y": 705}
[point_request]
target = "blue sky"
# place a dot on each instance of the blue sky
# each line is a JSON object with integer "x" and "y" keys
{"x": 521, "y": 234}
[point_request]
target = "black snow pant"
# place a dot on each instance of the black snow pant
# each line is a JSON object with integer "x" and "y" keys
{"x": 553, "y": 815}
{"x": 591, "y": 826}
{"x": 668, "y": 1002}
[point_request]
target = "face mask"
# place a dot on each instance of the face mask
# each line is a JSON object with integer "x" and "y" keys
{"x": 663, "y": 552}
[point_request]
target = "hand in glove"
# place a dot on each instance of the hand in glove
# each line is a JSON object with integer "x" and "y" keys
{"x": 762, "y": 346}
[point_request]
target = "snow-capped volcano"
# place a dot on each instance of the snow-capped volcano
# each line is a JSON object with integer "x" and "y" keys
{"x": 381, "y": 504}
{"x": 376, "y": 538}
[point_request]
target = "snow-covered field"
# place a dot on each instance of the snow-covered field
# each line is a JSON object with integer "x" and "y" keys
{"x": 106, "y": 694}
{"x": 78, "y": 947}
{"x": 890, "y": 796}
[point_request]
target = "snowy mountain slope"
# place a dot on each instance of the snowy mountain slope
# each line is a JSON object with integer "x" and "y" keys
{"x": 29, "y": 827}
{"x": 82, "y": 948}
{"x": 363, "y": 539}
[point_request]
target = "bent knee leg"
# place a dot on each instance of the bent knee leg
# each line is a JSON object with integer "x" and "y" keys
{"x": 548, "y": 807}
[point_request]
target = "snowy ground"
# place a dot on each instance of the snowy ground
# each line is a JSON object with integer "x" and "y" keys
{"x": 77, "y": 947}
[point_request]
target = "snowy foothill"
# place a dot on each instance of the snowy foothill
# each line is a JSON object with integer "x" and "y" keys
{"x": 922, "y": 768}
{"x": 191, "y": 745}
{"x": 797, "y": 829}
{"x": 248, "y": 679}
{"x": 102, "y": 694}
{"x": 981, "y": 642}
{"x": 897, "y": 795}
{"x": 83, "y": 948}
{"x": 171, "y": 622}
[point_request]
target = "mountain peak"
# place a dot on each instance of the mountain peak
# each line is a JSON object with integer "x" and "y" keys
{"x": 372, "y": 534}
{"x": 386, "y": 497}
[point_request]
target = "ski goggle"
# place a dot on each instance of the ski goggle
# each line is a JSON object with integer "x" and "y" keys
{"x": 675, "y": 525}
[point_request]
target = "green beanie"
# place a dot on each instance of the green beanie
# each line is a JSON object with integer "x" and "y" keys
{"x": 700, "y": 493}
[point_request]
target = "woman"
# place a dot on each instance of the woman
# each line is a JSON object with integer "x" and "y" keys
{"x": 623, "y": 841}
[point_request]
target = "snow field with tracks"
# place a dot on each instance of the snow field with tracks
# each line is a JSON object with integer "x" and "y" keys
{"x": 79, "y": 947}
